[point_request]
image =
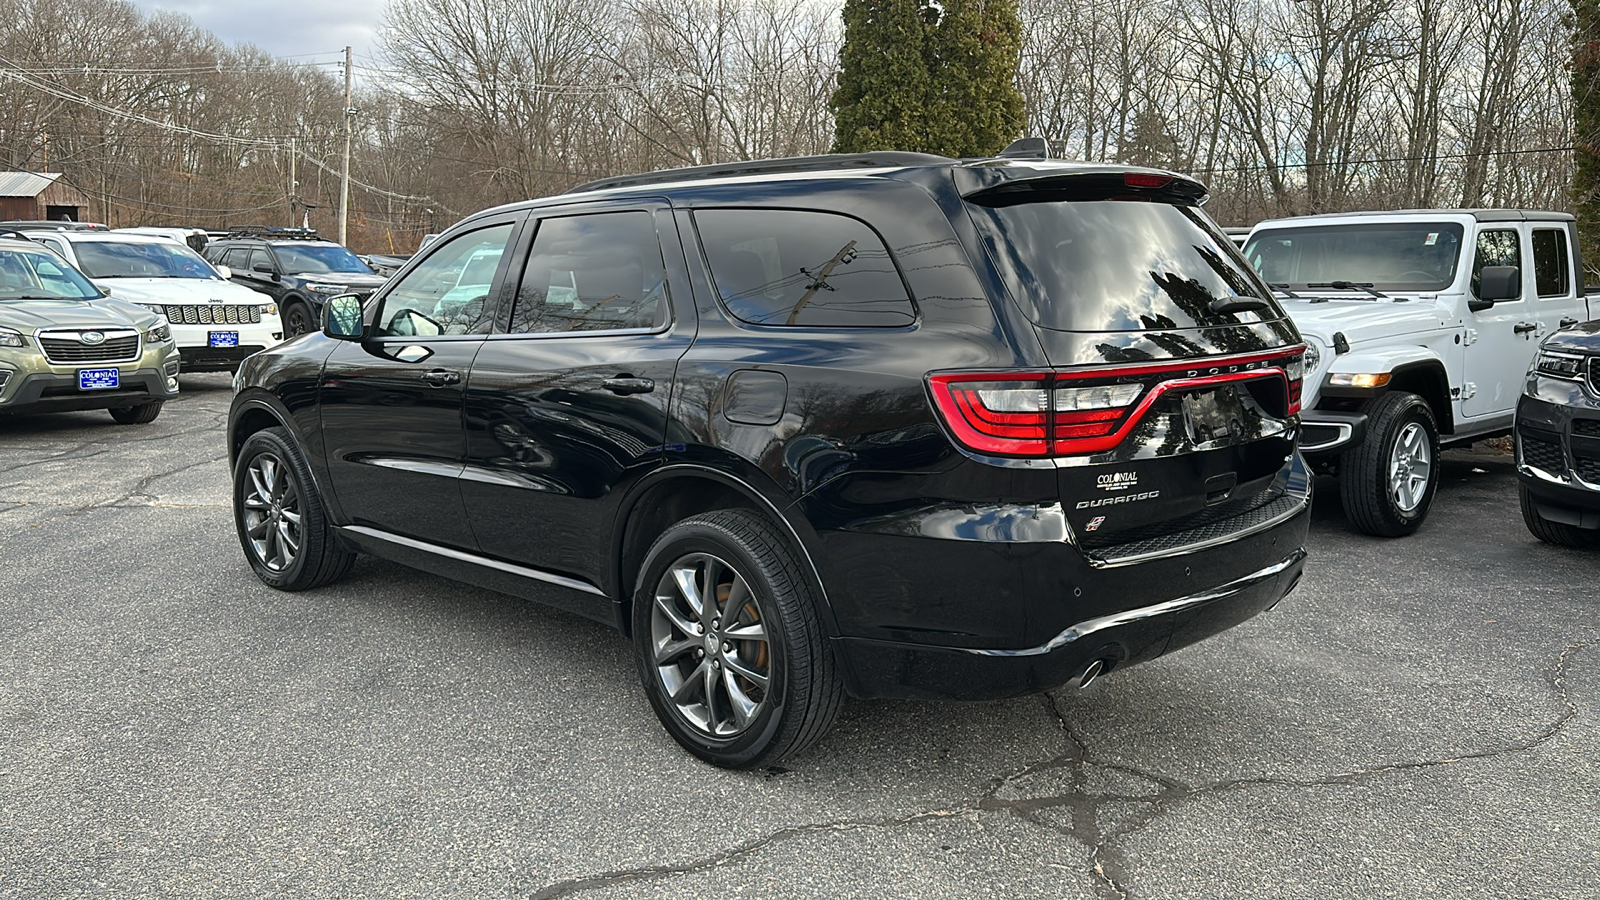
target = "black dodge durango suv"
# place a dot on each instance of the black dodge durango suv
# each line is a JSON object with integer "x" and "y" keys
{"x": 878, "y": 425}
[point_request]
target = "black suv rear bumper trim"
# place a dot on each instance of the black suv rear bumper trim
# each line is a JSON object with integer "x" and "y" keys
{"x": 892, "y": 669}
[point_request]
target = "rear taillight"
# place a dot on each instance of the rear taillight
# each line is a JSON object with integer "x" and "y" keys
{"x": 1077, "y": 411}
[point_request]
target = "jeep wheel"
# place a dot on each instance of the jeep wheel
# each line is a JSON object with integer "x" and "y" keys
{"x": 1387, "y": 481}
{"x": 731, "y": 651}
{"x": 1559, "y": 533}
{"x": 281, "y": 521}
{"x": 142, "y": 414}
{"x": 297, "y": 319}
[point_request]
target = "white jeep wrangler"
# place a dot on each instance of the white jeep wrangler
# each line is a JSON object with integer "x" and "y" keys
{"x": 1420, "y": 327}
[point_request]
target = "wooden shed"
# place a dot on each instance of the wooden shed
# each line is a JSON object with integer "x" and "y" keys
{"x": 29, "y": 196}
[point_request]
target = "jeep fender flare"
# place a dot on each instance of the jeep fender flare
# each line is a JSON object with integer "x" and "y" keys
{"x": 1418, "y": 370}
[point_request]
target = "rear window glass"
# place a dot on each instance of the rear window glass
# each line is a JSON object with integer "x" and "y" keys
{"x": 1401, "y": 256}
{"x": 1550, "y": 273}
{"x": 799, "y": 268}
{"x": 1118, "y": 265}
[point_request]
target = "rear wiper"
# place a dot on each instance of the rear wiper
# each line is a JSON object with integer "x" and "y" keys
{"x": 1238, "y": 304}
{"x": 1349, "y": 286}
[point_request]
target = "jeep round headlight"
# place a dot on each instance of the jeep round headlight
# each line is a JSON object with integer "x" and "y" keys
{"x": 1313, "y": 356}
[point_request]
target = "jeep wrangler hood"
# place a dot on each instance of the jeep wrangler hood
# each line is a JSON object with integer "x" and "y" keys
{"x": 1361, "y": 320}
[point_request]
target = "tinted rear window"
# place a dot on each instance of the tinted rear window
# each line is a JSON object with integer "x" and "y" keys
{"x": 1118, "y": 265}
{"x": 802, "y": 268}
{"x": 1399, "y": 256}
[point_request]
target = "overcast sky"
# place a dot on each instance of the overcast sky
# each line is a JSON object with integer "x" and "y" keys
{"x": 285, "y": 27}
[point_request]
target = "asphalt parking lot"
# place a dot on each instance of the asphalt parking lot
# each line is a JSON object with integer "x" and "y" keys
{"x": 1419, "y": 719}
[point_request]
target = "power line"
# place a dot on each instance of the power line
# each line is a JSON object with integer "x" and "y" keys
{"x": 1388, "y": 159}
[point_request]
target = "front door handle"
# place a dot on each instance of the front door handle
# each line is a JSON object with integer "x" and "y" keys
{"x": 1525, "y": 327}
{"x": 441, "y": 377}
{"x": 627, "y": 384}
{"x": 1568, "y": 322}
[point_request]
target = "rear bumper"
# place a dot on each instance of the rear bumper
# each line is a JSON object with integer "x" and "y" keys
{"x": 891, "y": 669}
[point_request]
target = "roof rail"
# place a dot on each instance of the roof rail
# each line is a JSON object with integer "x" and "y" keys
{"x": 875, "y": 160}
{"x": 273, "y": 232}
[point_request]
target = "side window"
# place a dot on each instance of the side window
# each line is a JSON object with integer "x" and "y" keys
{"x": 597, "y": 272}
{"x": 1552, "y": 276}
{"x": 259, "y": 257}
{"x": 798, "y": 268}
{"x": 449, "y": 292}
{"x": 237, "y": 259}
{"x": 1495, "y": 248}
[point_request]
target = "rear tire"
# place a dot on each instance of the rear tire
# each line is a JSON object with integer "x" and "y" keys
{"x": 1559, "y": 533}
{"x": 1387, "y": 482}
{"x": 282, "y": 523}
{"x": 749, "y": 677}
{"x": 143, "y": 414}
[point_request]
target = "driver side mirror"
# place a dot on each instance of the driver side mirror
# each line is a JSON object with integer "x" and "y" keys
{"x": 1496, "y": 283}
{"x": 341, "y": 318}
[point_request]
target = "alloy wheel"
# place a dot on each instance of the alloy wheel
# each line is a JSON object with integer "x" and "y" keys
{"x": 709, "y": 645}
{"x": 1410, "y": 467}
{"x": 272, "y": 512}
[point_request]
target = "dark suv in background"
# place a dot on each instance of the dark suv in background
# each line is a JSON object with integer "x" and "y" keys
{"x": 1558, "y": 439}
{"x": 294, "y": 267}
{"x": 885, "y": 425}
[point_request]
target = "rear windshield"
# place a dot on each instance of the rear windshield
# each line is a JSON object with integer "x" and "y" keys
{"x": 1401, "y": 256}
{"x": 1118, "y": 265}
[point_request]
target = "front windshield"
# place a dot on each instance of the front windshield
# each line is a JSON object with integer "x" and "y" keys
{"x": 312, "y": 259}
{"x": 1395, "y": 256}
{"x": 26, "y": 275}
{"x": 156, "y": 259}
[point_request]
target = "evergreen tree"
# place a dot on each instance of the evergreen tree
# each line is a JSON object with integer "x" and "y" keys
{"x": 938, "y": 78}
{"x": 975, "y": 108}
{"x": 1585, "y": 21}
{"x": 880, "y": 102}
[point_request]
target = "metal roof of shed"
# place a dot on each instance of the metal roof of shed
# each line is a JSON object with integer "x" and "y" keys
{"x": 26, "y": 184}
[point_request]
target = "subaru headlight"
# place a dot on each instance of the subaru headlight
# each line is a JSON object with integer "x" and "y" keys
{"x": 1559, "y": 364}
{"x": 160, "y": 332}
{"x": 321, "y": 288}
{"x": 9, "y": 338}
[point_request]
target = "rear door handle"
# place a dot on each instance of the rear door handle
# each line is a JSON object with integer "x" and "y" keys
{"x": 441, "y": 377}
{"x": 1524, "y": 327}
{"x": 627, "y": 384}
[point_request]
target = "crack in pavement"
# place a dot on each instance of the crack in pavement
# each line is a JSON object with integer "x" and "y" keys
{"x": 652, "y": 873}
{"x": 1110, "y": 866}
{"x": 1084, "y": 803}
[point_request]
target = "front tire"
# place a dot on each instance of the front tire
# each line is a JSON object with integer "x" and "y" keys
{"x": 297, "y": 319}
{"x": 282, "y": 523}
{"x": 1559, "y": 533}
{"x": 1387, "y": 482}
{"x": 143, "y": 414}
{"x": 730, "y": 647}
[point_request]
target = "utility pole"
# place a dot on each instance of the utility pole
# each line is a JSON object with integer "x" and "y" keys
{"x": 344, "y": 174}
{"x": 294, "y": 185}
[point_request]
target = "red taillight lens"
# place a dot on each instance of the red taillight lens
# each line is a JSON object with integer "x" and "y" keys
{"x": 1078, "y": 411}
{"x": 1145, "y": 180}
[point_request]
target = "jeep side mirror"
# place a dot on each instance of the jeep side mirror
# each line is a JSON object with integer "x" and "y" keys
{"x": 224, "y": 272}
{"x": 1496, "y": 283}
{"x": 341, "y": 318}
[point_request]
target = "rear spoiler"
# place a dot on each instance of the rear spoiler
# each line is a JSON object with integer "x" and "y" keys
{"x": 1007, "y": 183}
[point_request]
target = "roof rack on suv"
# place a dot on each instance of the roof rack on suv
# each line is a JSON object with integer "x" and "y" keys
{"x": 823, "y": 163}
{"x": 273, "y": 232}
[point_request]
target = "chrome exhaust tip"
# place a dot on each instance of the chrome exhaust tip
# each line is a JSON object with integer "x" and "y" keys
{"x": 1089, "y": 674}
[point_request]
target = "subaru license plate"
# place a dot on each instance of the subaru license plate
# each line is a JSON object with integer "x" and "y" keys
{"x": 97, "y": 379}
{"x": 224, "y": 338}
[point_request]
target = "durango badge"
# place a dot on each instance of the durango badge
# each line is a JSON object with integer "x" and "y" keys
{"x": 1120, "y": 498}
